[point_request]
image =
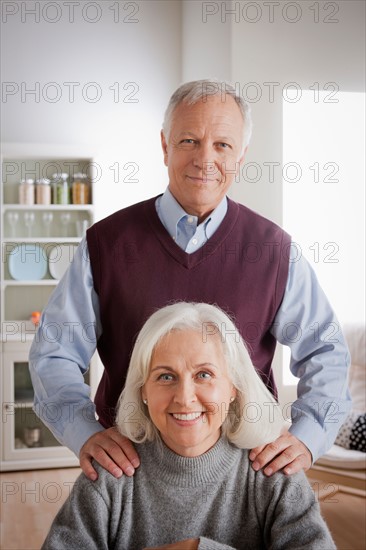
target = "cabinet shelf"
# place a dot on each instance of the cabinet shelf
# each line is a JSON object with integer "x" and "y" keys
{"x": 17, "y": 206}
{"x": 56, "y": 240}
{"x": 50, "y": 226}
{"x": 22, "y": 404}
{"x": 42, "y": 282}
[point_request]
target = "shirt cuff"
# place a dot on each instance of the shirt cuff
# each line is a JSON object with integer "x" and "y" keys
{"x": 317, "y": 436}
{"x": 311, "y": 434}
{"x": 80, "y": 428}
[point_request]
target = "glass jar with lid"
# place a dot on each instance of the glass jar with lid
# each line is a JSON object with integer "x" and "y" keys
{"x": 43, "y": 191}
{"x": 26, "y": 191}
{"x": 60, "y": 189}
{"x": 80, "y": 189}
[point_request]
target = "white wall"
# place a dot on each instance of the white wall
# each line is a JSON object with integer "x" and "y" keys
{"x": 145, "y": 53}
{"x": 206, "y": 42}
{"x": 281, "y": 52}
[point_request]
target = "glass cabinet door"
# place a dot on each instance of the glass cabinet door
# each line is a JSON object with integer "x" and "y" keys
{"x": 25, "y": 437}
{"x": 29, "y": 431}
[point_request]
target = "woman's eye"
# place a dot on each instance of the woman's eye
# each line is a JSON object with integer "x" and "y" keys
{"x": 204, "y": 375}
{"x": 165, "y": 377}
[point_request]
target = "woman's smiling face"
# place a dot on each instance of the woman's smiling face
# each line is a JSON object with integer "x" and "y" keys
{"x": 188, "y": 391}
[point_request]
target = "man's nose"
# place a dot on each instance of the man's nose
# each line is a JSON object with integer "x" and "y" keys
{"x": 204, "y": 159}
{"x": 185, "y": 393}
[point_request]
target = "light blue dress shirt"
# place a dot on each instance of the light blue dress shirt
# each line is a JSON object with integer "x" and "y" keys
{"x": 183, "y": 227}
{"x": 70, "y": 327}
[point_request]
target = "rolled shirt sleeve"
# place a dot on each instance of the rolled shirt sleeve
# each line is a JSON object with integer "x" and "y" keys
{"x": 61, "y": 352}
{"x": 320, "y": 359}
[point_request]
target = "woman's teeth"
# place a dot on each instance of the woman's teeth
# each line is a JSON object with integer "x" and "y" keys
{"x": 189, "y": 416}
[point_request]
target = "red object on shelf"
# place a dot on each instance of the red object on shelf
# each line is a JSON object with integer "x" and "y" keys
{"x": 35, "y": 317}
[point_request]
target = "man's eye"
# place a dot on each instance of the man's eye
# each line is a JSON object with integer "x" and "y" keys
{"x": 224, "y": 145}
{"x": 188, "y": 140}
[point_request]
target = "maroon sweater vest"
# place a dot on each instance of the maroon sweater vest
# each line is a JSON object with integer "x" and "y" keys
{"x": 138, "y": 268}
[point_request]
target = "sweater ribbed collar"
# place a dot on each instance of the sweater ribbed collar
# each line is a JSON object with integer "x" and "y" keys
{"x": 182, "y": 471}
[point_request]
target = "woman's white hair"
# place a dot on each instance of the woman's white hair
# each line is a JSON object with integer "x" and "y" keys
{"x": 198, "y": 90}
{"x": 254, "y": 418}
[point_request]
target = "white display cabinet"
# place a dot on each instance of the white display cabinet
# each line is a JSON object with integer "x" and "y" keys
{"x": 38, "y": 243}
{"x": 27, "y": 444}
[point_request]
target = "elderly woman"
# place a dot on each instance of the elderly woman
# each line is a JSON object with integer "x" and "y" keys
{"x": 193, "y": 404}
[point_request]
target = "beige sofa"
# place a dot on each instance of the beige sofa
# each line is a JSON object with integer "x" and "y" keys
{"x": 346, "y": 468}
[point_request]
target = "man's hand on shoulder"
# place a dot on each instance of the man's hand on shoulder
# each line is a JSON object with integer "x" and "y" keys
{"x": 111, "y": 450}
{"x": 286, "y": 453}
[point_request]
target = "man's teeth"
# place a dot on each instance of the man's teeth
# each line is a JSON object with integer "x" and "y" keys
{"x": 189, "y": 416}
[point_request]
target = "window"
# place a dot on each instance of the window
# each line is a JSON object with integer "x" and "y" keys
{"x": 323, "y": 194}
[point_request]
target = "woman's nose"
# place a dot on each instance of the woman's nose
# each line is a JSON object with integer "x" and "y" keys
{"x": 185, "y": 393}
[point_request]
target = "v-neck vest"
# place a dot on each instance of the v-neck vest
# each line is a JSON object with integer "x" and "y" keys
{"x": 138, "y": 268}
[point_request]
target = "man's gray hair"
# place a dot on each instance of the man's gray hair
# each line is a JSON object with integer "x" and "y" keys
{"x": 253, "y": 418}
{"x": 199, "y": 90}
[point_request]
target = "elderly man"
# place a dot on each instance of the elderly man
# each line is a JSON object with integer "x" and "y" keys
{"x": 192, "y": 243}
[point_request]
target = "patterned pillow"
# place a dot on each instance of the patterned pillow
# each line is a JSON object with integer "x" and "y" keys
{"x": 352, "y": 434}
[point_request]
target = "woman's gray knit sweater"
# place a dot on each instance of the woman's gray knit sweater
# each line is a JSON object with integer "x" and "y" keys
{"x": 216, "y": 497}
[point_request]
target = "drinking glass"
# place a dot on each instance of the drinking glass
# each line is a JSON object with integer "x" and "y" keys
{"x": 29, "y": 220}
{"x": 81, "y": 227}
{"x": 47, "y": 219}
{"x": 65, "y": 220}
{"x": 12, "y": 218}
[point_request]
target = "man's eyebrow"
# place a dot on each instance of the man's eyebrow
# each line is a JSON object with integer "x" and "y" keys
{"x": 224, "y": 138}
{"x": 186, "y": 133}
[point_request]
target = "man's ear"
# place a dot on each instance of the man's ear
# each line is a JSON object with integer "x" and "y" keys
{"x": 164, "y": 146}
{"x": 241, "y": 160}
{"x": 239, "y": 163}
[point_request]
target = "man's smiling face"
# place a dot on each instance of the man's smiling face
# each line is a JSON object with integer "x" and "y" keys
{"x": 204, "y": 152}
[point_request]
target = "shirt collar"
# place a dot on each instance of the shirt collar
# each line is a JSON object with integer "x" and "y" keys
{"x": 170, "y": 213}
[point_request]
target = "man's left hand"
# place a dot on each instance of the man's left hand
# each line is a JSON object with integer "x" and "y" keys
{"x": 286, "y": 453}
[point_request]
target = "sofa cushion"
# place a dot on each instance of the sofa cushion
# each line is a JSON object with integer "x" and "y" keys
{"x": 337, "y": 457}
{"x": 352, "y": 434}
{"x": 357, "y": 387}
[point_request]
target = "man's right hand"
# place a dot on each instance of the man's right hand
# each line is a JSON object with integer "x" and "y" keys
{"x": 111, "y": 450}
